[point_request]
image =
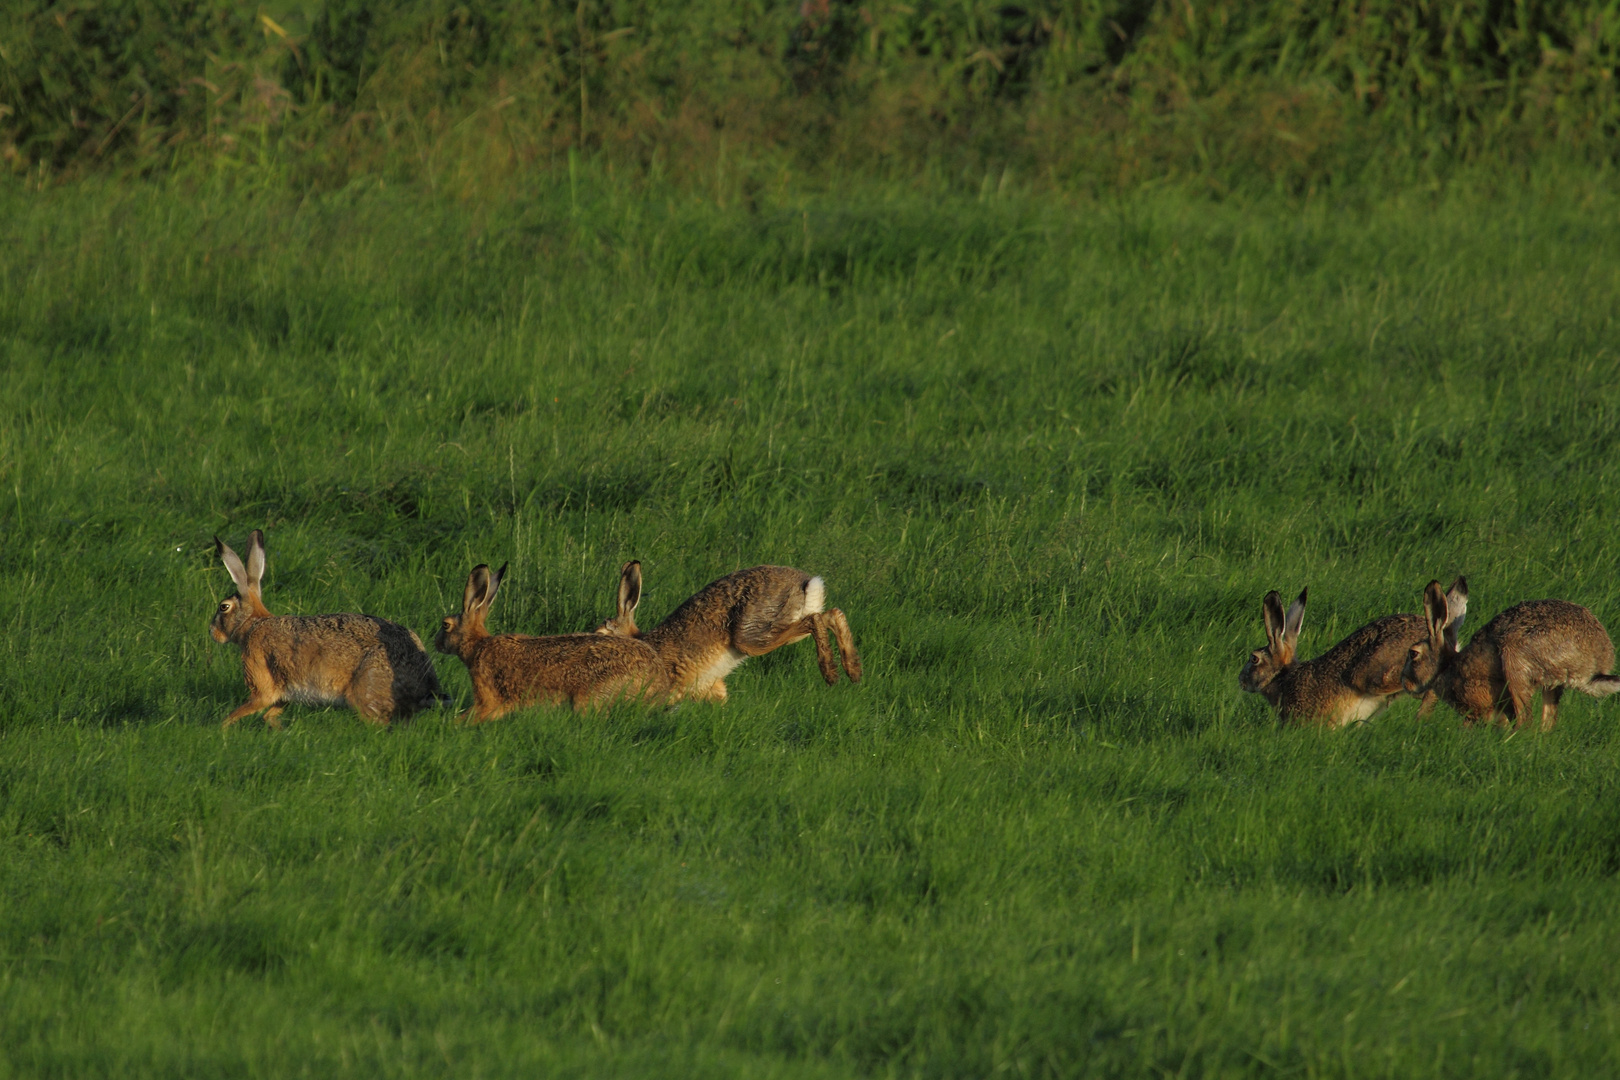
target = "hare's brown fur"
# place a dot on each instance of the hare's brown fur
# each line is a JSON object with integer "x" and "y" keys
{"x": 509, "y": 671}
{"x": 748, "y": 613}
{"x": 1351, "y": 682}
{"x": 376, "y": 667}
{"x": 1545, "y": 645}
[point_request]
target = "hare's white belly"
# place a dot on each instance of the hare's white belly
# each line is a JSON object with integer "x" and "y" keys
{"x": 723, "y": 664}
{"x": 1361, "y": 709}
{"x": 311, "y": 693}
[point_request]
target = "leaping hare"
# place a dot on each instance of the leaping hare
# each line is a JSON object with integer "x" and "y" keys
{"x": 1352, "y": 681}
{"x": 1546, "y": 645}
{"x": 378, "y": 668}
{"x": 748, "y": 613}
{"x": 509, "y": 671}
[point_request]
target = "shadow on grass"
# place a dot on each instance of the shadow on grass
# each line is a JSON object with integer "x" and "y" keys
{"x": 430, "y": 938}
{"x": 131, "y": 710}
{"x": 570, "y": 806}
{"x": 246, "y": 945}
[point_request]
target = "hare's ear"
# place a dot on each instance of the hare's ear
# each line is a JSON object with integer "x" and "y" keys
{"x": 477, "y": 584}
{"x": 233, "y": 564}
{"x": 1294, "y": 619}
{"x": 1456, "y": 609}
{"x": 629, "y": 589}
{"x": 1436, "y": 610}
{"x": 1271, "y": 607}
{"x": 255, "y": 559}
{"x": 495, "y": 580}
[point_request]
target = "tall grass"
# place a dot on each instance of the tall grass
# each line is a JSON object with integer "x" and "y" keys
{"x": 1047, "y": 455}
{"x": 1090, "y": 95}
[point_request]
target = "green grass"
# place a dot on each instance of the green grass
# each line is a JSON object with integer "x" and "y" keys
{"x": 1048, "y": 457}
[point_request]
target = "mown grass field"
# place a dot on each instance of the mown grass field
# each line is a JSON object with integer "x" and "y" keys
{"x": 1048, "y": 457}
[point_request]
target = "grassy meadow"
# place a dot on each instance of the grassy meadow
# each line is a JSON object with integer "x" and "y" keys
{"x": 1048, "y": 455}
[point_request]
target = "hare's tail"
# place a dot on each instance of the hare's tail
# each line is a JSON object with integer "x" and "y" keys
{"x": 1601, "y": 686}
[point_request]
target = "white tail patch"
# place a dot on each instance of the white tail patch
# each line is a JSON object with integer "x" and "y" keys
{"x": 1600, "y": 686}
{"x": 815, "y": 596}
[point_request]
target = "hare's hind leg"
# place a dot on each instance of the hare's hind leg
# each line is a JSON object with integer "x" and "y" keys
{"x": 846, "y": 644}
{"x": 757, "y": 641}
{"x": 371, "y": 691}
{"x": 760, "y": 643}
{"x": 1549, "y": 706}
{"x": 813, "y": 626}
{"x": 1518, "y": 705}
{"x": 834, "y": 619}
{"x": 824, "y": 658}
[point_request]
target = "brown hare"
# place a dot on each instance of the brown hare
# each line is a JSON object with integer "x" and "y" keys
{"x": 378, "y": 668}
{"x": 748, "y": 613}
{"x": 509, "y": 671}
{"x": 1546, "y": 645}
{"x": 1350, "y": 682}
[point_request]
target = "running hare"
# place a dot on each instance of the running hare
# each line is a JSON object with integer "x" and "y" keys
{"x": 748, "y": 613}
{"x": 1352, "y": 681}
{"x": 509, "y": 671}
{"x": 1544, "y": 645}
{"x": 376, "y": 667}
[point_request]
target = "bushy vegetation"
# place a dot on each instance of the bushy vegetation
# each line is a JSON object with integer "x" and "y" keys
{"x": 1047, "y": 455}
{"x": 745, "y": 96}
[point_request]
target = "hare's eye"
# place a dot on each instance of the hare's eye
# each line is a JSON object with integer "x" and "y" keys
{"x": 449, "y": 624}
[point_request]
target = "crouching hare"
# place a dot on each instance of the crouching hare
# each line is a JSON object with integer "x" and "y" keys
{"x": 1546, "y": 645}
{"x": 748, "y": 613}
{"x": 377, "y": 668}
{"x": 509, "y": 671}
{"x": 1351, "y": 682}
